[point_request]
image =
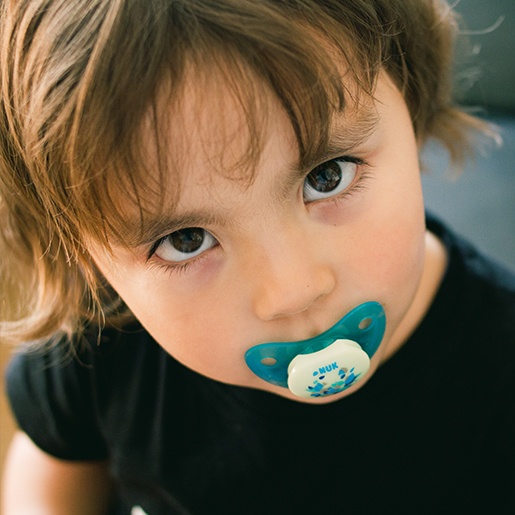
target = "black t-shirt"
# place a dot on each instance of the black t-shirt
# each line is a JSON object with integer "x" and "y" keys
{"x": 432, "y": 430}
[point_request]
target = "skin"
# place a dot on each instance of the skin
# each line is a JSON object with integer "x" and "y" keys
{"x": 36, "y": 483}
{"x": 277, "y": 265}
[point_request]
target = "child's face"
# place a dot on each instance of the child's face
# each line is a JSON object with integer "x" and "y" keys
{"x": 286, "y": 257}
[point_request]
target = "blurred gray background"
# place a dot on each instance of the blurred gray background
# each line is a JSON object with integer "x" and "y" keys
{"x": 480, "y": 203}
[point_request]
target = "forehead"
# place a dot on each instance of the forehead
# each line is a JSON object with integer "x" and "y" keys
{"x": 220, "y": 124}
{"x": 225, "y": 115}
{"x": 215, "y": 120}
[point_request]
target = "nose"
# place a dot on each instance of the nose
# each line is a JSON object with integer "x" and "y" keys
{"x": 290, "y": 275}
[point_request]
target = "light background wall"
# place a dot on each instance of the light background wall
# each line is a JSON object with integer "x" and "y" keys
{"x": 480, "y": 204}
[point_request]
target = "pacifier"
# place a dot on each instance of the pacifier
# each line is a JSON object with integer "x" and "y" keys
{"x": 328, "y": 363}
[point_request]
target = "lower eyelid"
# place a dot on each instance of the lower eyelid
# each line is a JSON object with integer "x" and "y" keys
{"x": 180, "y": 266}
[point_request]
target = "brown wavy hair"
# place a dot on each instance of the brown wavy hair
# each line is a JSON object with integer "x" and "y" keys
{"x": 79, "y": 79}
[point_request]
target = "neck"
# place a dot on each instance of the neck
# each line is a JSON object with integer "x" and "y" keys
{"x": 434, "y": 268}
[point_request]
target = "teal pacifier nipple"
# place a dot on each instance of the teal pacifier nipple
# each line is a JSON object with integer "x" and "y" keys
{"x": 328, "y": 363}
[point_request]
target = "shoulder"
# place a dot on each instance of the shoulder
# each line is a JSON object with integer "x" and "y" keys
{"x": 60, "y": 396}
{"x": 474, "y": 311}
{"x": 79, "y": 361}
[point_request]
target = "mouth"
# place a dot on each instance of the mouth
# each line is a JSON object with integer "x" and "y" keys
{"x": 325, "y": 364}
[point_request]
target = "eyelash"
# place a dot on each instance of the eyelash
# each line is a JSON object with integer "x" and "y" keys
{"x": 175, "y": 268}
{"x": 181, "y": 267}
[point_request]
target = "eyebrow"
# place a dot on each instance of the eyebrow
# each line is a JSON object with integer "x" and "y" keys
{"x": 150, "y": 229}
{"x": 342, "y": 141}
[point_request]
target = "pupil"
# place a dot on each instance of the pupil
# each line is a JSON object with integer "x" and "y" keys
{"x": 325, "y": 178}
{"x": 187, "y": 240}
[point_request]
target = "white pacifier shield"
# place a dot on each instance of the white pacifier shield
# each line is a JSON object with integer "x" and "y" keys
{"x": 328, "y": 371}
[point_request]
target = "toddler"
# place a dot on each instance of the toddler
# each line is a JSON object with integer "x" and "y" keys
{"x": 216, "y": 255}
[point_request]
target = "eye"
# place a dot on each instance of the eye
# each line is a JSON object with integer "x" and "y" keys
{"x": 330, "y": 178}
{"x": 184, "y": 244}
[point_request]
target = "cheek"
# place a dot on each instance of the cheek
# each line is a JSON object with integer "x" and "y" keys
{"x": 395, "y": 262}
{"x": 199, "y": 327}
{"x": 382, "y": 255}
{"x": 395, "y": 257}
